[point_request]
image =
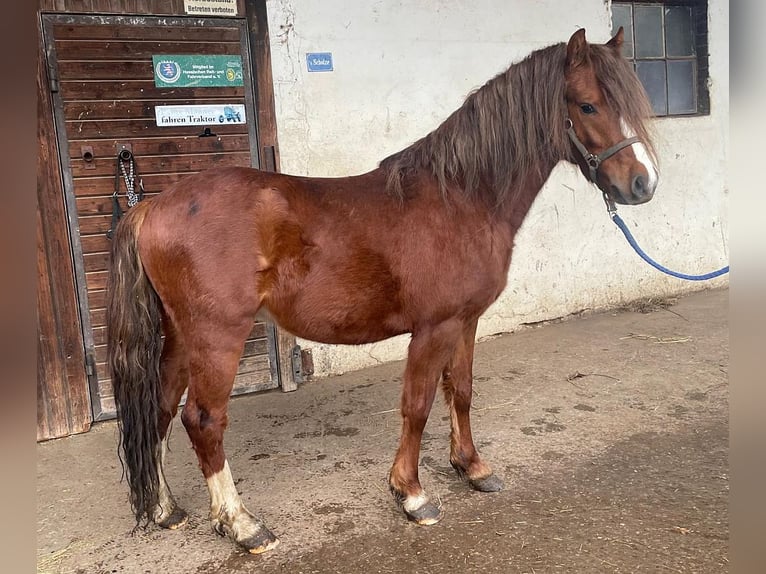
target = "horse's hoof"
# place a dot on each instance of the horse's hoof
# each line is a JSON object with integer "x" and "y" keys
{"x": 261, "y": 542}
{"x": 418, "y": 509}
{"x": 491, "y": 483}
{"x": 176, "y": 520}
{"x": 426, "y": 515}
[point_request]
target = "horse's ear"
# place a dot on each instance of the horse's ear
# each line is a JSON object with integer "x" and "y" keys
{"x": 577, "y": 49}
{"x": 616, "y": 42}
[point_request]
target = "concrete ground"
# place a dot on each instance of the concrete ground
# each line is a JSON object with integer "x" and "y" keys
{"x": 610, "y": 430}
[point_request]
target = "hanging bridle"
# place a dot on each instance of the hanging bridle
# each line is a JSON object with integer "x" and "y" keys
{"x": 126, "y": 167}
{"x": 593, "y": 160}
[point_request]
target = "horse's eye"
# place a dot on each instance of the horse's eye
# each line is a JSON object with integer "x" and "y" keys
{"x": 587, "y": 109}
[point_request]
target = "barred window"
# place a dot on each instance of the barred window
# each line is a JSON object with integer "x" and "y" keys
{"x": 667, "y": 43}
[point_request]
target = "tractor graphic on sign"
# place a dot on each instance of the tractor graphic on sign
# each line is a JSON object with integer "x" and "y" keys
{"x": 229, "y": 115}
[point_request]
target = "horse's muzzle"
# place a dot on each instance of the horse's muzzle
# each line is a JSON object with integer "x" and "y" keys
{"x": 641, "y": 191}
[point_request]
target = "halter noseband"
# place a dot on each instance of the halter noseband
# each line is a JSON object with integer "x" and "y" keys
{"x": 595, "y": 160}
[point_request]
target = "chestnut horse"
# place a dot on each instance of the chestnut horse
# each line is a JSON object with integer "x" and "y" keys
{"x": 420, "y": 245}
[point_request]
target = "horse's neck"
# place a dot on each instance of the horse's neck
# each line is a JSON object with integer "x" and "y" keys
{"x": 514, "y": 210}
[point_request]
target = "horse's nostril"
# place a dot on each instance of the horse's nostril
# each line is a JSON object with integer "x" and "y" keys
{"x": 638, "y": 186}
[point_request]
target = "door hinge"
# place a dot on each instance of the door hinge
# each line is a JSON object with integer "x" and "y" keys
{"x": 53, "y": 79}
{"x": 90, "y": 365}
{"x": 297, "y": 364}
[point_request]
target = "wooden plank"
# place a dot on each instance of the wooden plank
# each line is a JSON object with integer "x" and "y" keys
{"x": 63, "y": 395}
{"x": 121, "y": 50}
{"x": 96, "y": 280}
{"x": 245, "y": 384}
{"x": 97, "y": 317}
{"x": 252, "y": 371}
{"x": 97, "y": 299}
{"x": 251, "y": 365}
{"x": 100, "y": 208}
{"x": 259, "y": 379}
{"x": 99, "y": 335}
{"x": 103, "y": 149}
{"x": 112, "y": 71}
{"x": 153, "y": 183}
{"x": 104, "y": 382}
{"x": 95, "y": 225}
{"x": 258, "y": 30}
{"x": 98, "y": 205}
{"x": 162, "y": 7}
{"x": 139, "y": 89}
{"x": 101, "y": 353}
{"x": 285, "y": 345}
{"x": 257, "y": 349}
{"x": 259, "y": 330}
{"x": 95, "y": 262}
{"x": 159, "y": 164}
{"x": 52, "y": 405}
{"x": 95, "y": 243}
{"x": 193, "y": 34}
{"x": 248, "y": 383}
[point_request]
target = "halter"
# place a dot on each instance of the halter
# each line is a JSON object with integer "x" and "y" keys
{"x": 595, "y": 160}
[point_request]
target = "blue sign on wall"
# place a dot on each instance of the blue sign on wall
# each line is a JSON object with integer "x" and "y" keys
{"x": 319, "y": 61}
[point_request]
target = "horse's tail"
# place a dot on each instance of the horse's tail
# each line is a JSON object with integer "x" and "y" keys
{"x": 133, "y": 318}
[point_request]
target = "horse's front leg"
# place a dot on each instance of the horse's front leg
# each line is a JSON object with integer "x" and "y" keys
{"x": 429, "y": 351}
{"x": 457, "y": 380}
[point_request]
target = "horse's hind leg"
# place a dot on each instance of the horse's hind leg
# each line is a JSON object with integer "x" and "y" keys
{"x": 457, "y": 381}
{"x": 429, "y": 351}
{"x": 174, "y": 376}
{"x": 213, "y": 364}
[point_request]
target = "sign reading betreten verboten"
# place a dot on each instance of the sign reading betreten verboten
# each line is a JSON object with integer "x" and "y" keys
{"x": 197, "y": 70}
{"x": 211, "y": 7}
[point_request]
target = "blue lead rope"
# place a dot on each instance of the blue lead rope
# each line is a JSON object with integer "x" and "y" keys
{"x": 624, "y": 228}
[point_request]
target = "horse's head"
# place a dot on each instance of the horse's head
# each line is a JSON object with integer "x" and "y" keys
{"x": 607, "y": 106}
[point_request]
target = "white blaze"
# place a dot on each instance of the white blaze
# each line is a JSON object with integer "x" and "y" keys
{"x": 642, "y": 155}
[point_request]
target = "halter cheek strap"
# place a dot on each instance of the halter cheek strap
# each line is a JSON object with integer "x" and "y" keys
{"x": 591, "y": 159}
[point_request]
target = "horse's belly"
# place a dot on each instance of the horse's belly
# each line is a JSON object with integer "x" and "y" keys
{"x": 337, "y": 308}
{"x": 333, "y": 322}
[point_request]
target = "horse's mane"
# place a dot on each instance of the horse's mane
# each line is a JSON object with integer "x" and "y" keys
{"x": 512, "y": 128}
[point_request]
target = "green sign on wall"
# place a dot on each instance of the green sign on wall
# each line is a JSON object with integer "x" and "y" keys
{"x": 184, "y": 71}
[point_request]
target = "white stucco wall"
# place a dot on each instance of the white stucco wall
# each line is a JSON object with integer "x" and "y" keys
{"x": 401, "y": 67}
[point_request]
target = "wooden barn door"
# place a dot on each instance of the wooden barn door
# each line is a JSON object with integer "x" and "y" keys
{"x": 110, "y": 95}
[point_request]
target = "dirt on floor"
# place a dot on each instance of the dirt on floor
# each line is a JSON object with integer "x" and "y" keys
{"x": 610, "y": 431}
